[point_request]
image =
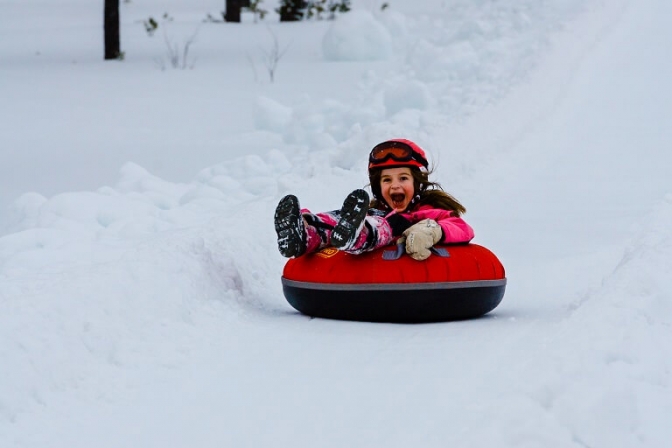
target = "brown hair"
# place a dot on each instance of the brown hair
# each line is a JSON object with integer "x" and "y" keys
{"x": 431, "y": 193}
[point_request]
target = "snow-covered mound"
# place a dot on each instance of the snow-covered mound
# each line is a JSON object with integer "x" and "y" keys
{"x": 357, "y": 36}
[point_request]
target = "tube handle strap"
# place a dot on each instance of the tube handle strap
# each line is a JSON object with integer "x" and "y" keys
{"x": 396, "y": 253}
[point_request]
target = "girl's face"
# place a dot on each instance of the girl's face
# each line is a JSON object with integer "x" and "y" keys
{"x": 396, "y": 185}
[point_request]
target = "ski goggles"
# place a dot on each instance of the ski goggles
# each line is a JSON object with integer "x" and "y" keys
{"x": 397, "y": 151}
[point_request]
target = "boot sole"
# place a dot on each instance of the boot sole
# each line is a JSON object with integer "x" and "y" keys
{"x": 289, "y": 227}
{"x": 353, "y": 212}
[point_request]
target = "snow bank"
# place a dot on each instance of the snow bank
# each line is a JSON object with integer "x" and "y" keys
{"x": 473, "y": 55}
{"x": 357, "y": 36}
{"x": 406, "y": 95}
{"x": 619, "y": 333}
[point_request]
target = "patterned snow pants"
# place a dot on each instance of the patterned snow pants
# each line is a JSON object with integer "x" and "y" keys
{"x": 375, "y": 233}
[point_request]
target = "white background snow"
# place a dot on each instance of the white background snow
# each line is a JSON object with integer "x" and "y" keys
{"x": 140, "y": 295}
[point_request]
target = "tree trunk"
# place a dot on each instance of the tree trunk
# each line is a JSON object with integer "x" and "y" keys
{"x": 233, "y": 7}
{"x": 111, "y": 29}
{"x": 232, "y": 11}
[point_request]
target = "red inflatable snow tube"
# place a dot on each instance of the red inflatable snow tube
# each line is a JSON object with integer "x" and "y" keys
{"x": 456, "y": 282}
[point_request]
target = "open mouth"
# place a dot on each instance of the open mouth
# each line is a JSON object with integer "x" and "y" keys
{"x": 397, "y": 199}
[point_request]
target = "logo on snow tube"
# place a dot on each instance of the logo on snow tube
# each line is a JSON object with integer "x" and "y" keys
{"x": 327, "y": 252}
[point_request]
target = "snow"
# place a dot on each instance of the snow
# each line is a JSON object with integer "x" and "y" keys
{"x": 357, "y": 36}
{"x": 140, "y": 296}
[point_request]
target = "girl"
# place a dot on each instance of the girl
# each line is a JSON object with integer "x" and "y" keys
{"x": 405, "y": 205}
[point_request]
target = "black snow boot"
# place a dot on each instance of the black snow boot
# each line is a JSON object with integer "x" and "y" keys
{"x": 289, "y": 227}
{"x": 353, "y": 212}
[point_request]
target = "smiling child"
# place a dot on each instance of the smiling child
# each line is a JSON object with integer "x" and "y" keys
{"x": 406, "y": 206}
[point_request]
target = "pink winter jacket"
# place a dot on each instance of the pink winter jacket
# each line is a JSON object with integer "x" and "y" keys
{"x": 455, "y": 229}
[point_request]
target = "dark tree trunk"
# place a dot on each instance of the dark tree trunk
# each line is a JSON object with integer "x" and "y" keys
{"x": 232, "y": 13}
{"x": 111, "y": 29}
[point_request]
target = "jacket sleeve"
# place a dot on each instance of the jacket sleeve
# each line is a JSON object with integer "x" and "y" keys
{"x": 455, "y": 229}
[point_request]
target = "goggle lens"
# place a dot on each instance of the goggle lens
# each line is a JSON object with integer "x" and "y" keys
{"x": 400, "y": 153}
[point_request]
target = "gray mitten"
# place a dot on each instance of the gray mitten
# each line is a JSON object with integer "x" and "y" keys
{"x": 420, "y": 237}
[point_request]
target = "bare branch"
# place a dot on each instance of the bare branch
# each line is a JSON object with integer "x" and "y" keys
{"x": 273, "y": 55}
{"x": 179, "y": 59}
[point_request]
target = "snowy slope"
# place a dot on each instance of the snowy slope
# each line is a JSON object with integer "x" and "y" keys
{"x": 140, "y": 302}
